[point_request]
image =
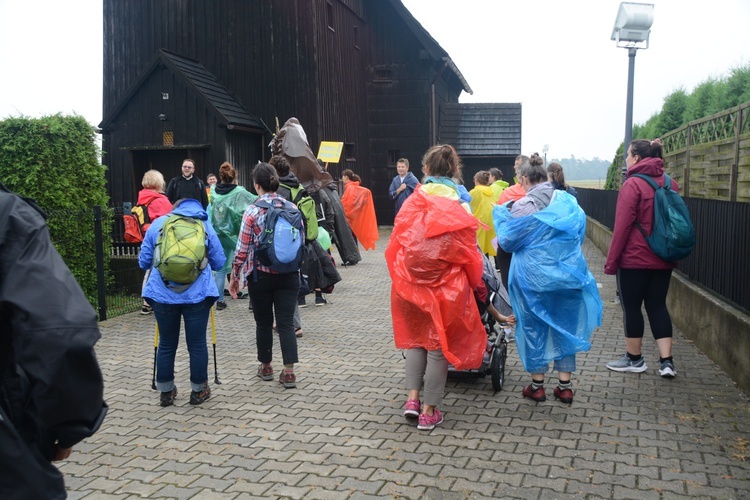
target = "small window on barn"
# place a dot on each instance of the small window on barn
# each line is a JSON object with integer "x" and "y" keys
{"x": 393, "y": 157}
{"x": 329, "y": 15}
{"x": 383, "y": 75}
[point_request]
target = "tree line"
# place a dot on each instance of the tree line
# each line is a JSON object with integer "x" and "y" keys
{"x": 712, "y": 96}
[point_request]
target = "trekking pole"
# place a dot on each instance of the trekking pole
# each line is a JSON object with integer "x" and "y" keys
{"x": 213, "y": 340}
{"x": 156, "y": 345}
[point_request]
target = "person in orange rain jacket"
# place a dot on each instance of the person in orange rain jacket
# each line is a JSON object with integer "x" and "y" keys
{"x": 360, "y": 210}
{"x": 435, "y": 266}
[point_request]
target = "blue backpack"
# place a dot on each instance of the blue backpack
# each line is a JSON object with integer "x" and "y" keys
{"x": 281, "y": 244}
{"x": 672, "y": 233}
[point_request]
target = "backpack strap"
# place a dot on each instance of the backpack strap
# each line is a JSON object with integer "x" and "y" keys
{"x": 653, "y": 184}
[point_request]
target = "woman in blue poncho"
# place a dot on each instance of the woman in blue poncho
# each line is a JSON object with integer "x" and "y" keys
{"x": 553, "y": 294}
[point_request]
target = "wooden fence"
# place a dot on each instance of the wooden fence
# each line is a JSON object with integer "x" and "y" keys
{"x": 710, "y": 157}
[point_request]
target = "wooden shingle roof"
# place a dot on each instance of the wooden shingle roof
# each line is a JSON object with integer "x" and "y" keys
{"x": 216, "y": 96}
{"x": 481, "y": 129}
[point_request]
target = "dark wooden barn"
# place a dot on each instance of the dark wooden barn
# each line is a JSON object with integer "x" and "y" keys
{"x": 207, "y": 80}
{"x": 485, "y": 135}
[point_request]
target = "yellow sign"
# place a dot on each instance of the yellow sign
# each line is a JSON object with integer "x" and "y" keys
{"x": 330, "y": 152}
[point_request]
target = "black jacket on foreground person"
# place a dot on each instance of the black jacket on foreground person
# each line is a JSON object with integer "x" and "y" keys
{"x": 51, "y": 387}
{"x": 180, "y": 187}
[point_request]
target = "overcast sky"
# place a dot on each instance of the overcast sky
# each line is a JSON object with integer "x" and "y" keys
{"x": 555, "y": 57}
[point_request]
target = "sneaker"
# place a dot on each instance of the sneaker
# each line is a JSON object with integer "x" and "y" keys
{"x": 667, "y": 369}
{"x": 226, "y": 293}
{"x": 265, "y": 372}
{"x": 412, "y": 408}
{"x": 564, "y": 395}
{"x": 320, "y": 300}
{"x": 298, "y": 332}
{"x": 301, "y": 302}
{"x": 146, "y": 309}
{"x": 167, "y": 398}
{"x": 287, "y": 379}
{"x": 199, "y": 397}
{"x": 220, "y": 305}
{"x": 625, "y": 364}
{"x": 537, "y": 395}
{"x": 242, "y": 295}
{"x": 429, "y": 422}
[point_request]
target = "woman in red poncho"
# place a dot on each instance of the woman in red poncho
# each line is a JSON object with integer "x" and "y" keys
{"x": 360, "y": 210}
{"x": 434, "y": 264}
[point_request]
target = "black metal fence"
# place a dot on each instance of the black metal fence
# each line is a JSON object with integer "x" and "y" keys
{"x": 721, "y": 258}
{"x": 119, "y": 278}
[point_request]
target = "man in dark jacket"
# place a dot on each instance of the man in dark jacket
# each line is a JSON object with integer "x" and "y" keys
{"x": 51, "y": 388}
{"x": 187, "y": 185}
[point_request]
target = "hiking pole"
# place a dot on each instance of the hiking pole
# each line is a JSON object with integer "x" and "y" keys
{"x": 213, "y": 340}
{"x": 156, "y": 345}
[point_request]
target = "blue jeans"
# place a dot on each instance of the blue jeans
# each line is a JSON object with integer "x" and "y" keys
{"x": 274, "y": 293}
{"x": 168, "y": 318}
{"x": 564, "y": 364}
{"x": 221, "y": 283}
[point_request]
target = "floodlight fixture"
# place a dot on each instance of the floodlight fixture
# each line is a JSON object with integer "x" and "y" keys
{"x": 633, "y": 25}
{"x": 631, "y": 31}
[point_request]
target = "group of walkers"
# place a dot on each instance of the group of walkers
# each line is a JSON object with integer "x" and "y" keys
{"x": 435, "y": 263}
{"x": 435, "y": 260}
{"x": 232, "y": 224}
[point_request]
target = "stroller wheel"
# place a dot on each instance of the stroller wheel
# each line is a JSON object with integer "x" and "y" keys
{"x": 497, "y": 368}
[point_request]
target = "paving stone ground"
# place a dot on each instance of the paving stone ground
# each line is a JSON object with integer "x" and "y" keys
{"x": 341, "y": 432}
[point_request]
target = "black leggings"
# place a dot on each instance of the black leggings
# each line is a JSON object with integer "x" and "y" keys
{"x": 647, "y": 287}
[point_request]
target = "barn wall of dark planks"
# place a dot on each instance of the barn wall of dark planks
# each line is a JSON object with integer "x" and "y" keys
{"x": 352, "y": 71}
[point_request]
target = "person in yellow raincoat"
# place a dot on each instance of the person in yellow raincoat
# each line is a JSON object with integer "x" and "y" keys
{"x": 482, "y": 203}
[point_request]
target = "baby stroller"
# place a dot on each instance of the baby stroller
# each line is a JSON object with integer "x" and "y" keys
{"x": 493, "y": 299}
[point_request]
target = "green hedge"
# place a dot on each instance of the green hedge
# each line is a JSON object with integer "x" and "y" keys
{"x": 55, "y": 161}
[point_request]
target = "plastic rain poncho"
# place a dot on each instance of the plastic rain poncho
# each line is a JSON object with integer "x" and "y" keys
{"x": 435, "y": 265}
{"x": 553, "y": 294}
{"x": 225, "y": 214}
{"x": 481, "y": 206}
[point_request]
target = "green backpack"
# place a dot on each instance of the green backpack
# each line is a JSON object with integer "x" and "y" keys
{"x": 306, "y": 205}
{"x": 180, "y": 254}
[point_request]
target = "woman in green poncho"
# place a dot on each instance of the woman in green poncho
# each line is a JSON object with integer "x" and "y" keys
{"x": 228, "y": 203}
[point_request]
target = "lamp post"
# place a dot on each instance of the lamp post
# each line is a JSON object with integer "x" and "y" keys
{"x": 631, "y": 31}
{"x": 544, "y": 150}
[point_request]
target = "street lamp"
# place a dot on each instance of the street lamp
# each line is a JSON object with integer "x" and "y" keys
{"x": 631, "y": 31}
{"x": 544, "y": 150}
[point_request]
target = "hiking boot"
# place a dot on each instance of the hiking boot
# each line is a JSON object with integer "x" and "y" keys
{"x": 298, "y": 332}
{"x": 564, "y": 395}
{"x": 320, "y": 300}
{"x": 265, "y": 372}
{"x": 167, "y": 398}
{"x": 625, "y": 364}
{"x": 537, "y": 395}
{"x": 301, "y": 302}
{"x": 287, "y": 379}
{"x": 428, "y": 422}
{"x": 197, "y": 398}
{"x": 667, "y": 369}
{"x": 220, "y": 305}
{"x": 412, "y": 408}
{"x": 146, "y": 309}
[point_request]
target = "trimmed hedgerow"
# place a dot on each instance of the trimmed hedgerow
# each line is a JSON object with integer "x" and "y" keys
{"x": 55, "y": 161}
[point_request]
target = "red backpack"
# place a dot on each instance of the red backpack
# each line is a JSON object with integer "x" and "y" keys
{"x": 137, "y": 223}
